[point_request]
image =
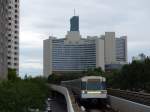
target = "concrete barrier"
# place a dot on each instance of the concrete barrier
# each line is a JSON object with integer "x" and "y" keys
{"x": 65, "y": 92}
{"x": 122, "y": 105}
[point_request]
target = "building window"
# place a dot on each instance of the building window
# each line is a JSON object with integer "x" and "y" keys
{"x": 9, "y": 18}
{"x": 16, "y": 11}
{"x": 15, "y": 59}
{"x": 9, "y": 63}
{"x": 16, "y": 48}
{"x": 9, "y": 57}
{"x": 16, "y": 26}
{"x": 16, "y": 31}
{"x": 15, "y": 64}
{"x": 9, "y": 40}
{"x": 16, "y": 16}
{"x": 16, "y": 6}
{"x": 16, "y": 42}
{"x": 16, "y": 21}
{"x": 9, "y": 7}
{"x": 9, "y": 46}
{"x": 16, "y": 53}
{"x": 16, "y": 37}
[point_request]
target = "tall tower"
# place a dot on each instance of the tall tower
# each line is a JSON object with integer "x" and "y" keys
{"x": 74, "y": 23}
{"x": 121, "y": 49}
{"x": 110, "y": 48}
{"x": 13, "y": 34}
{"x": 3, "y": 39}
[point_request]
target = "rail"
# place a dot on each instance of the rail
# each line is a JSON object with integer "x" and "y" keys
{"x": 138, "y": 97}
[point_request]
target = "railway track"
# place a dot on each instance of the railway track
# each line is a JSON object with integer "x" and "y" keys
{"x": 138, "y": 97}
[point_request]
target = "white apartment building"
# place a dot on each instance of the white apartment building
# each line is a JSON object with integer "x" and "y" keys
{"x": 13, "y": 34}
{"x": 3, "y": 39}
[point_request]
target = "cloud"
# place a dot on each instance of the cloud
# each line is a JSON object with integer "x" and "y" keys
{"x": 41, "y": 18}
{"x": 32, "y": 65}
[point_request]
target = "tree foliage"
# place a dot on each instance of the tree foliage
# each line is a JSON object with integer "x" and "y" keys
{"x": 134, "y": 76}
{"x": 20, "y": 95}
{"x": 12, "y": 75}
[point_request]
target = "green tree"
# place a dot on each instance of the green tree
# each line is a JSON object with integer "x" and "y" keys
{"x": 12, "y": 75}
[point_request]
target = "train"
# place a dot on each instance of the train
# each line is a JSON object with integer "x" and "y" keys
{"x": 88, "y": 87}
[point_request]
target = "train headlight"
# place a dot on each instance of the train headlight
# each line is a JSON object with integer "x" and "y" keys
{"x": 84, "y": 92}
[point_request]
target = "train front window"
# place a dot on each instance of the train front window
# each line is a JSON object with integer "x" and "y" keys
{"x": 93, "y": 86}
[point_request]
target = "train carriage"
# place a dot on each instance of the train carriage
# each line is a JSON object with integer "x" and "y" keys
{"x": 88, "y": 87}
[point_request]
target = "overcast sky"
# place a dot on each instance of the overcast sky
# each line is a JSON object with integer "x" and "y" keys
{"x": 41, "y": 18}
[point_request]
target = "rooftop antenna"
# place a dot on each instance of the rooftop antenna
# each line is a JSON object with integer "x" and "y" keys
{"x": 74, "y": 11}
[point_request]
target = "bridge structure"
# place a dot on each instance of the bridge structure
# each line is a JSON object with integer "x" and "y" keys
{"x": 119, "y": 101}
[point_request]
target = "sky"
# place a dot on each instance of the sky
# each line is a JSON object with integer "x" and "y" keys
{"x": 41, "y": 18}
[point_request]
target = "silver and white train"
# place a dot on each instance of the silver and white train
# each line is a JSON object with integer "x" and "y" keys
{"x": 88, "y": 87}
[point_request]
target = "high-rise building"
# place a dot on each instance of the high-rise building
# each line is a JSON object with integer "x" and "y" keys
{"x": 3, "y": 39}
{"x": 110, "y": 47}
{"x": 74, "y": 23}
{"x": 115, "y": 51}
{"x": 13, "y": 34}
{"x": 72, "y": 53}
{"x": 121, "y": 49}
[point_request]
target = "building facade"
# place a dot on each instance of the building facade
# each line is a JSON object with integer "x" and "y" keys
{"x": 3, "y": 39}
{"x": 121, "y": 49}
{"x": 72, "y": 53}
{"x": 110, "y": 47}
{"x": 13, "y": 34}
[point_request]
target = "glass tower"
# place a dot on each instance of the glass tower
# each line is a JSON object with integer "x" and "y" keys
{"x": 74, "y": 23}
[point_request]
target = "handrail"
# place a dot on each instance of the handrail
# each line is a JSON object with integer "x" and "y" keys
{"x": 64, "y": 91}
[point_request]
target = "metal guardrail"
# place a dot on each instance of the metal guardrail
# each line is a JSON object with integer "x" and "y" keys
{"x": 72, "y": 106}
{"x": 138, "y": 97}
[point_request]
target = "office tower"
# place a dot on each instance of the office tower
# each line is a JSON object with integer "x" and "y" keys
{"x": 3, "y": 39}
{"x": 121, "y": 49}
{"x": 13, "y": 34}
{"x": 74, "y": 23}
{"x": 110, "y": 47}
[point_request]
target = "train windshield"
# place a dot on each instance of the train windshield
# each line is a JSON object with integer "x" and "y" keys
{"x": 93, "y": 86}
{"x": 96, "y": 85}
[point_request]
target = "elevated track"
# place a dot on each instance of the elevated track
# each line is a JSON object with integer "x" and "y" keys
{"x": 138, "y": 97}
